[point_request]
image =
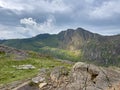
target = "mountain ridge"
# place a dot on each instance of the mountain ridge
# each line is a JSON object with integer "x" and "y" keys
{"x": 90, "y": 47}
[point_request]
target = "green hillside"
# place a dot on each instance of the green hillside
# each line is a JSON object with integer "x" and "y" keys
{"x": 90, "y": 47}
{"x": 8, "y": 64}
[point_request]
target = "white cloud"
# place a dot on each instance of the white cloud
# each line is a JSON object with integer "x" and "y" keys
{"x": 107, "y": 10}
{"x": 33, "y": 28}
{"x": 30, "y": 28}
{"x": 10, "y": 5}
{"x": 28, "y": 21}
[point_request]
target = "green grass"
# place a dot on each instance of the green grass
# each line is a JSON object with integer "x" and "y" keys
{"x": 62, "y": 54}
{"x": 9, "y": 74}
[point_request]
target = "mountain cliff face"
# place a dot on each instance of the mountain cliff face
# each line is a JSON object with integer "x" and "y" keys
{"x": 95, "y": 48}
{"x": 72, "y": 44}
{"x": 104, "y": 50}
{"x": 75, "y": 39}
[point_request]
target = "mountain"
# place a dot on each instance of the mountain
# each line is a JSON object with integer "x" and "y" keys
{"x": 75, "y": 45}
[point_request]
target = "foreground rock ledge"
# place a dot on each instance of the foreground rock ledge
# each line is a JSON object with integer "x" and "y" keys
{"x": 90, "y": 77}
{"x": 82, "y": 76}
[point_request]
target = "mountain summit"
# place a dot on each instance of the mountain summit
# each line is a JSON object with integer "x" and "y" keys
{"x": 75, "y": 45}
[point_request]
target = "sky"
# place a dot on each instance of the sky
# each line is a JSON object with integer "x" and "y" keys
{"x": 28, "y": 18}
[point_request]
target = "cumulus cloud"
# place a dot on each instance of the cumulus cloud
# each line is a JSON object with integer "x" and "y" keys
{"x": 33, "y": 28}
{"x": 28, "y": 21}
{"x": 28, "y": 29}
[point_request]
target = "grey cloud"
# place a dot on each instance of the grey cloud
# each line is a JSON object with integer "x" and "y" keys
{"x": 8, "y": 17}
{"x": 93, "y": 15}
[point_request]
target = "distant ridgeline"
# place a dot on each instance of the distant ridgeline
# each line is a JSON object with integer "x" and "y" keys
{"x": 75, "y": 45}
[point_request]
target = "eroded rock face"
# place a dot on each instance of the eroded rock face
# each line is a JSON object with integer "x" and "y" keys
{"x": 90, "y": 77}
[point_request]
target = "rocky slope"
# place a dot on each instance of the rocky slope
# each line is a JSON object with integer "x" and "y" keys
{"x": 16, "y": 53}
{"x": 82, "y": 76}
{"x": 87, "y": 46}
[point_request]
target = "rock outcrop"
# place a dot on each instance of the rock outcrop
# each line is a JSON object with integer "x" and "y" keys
{"x": 82, "y": 77}
{"x": 17, "y": 54}
{"x": 90, "y": 77}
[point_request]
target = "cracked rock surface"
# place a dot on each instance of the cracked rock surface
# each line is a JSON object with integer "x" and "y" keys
{"x": 90, "y": 77}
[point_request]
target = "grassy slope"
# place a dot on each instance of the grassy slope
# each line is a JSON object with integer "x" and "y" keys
{"x": 101, "y": 50}
{"x": 62, "y": 54}
{"x": 8, "y": 73}
{"x": 46, "y": 44}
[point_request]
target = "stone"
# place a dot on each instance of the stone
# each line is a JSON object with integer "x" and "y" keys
{"x": 38, "y": 79}
{"x": 41, "y": 85}
{"x": 24, "y": 67}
